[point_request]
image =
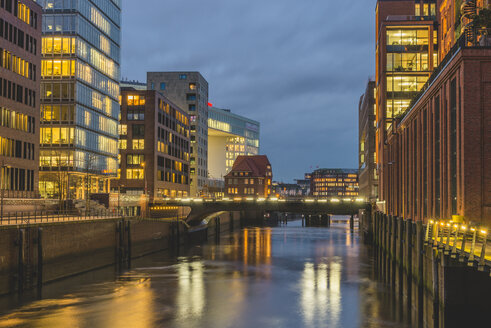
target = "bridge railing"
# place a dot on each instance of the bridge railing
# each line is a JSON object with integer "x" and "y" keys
{"x": 307, "y": 200}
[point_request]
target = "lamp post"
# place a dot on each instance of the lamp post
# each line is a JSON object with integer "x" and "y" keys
{"x": 1, "y": 187}
{"x": 145, "y": 190}
{"x": 119, "y": 197}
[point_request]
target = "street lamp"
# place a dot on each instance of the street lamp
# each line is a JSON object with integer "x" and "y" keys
{"x": 144, "y": 178}
{"x": 143, "y": 164}
{"x": 2, "y": 172}
{"x": 119, "y": 195}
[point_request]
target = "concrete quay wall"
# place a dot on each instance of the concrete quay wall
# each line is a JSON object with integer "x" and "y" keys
{"x": 32, "y": 255}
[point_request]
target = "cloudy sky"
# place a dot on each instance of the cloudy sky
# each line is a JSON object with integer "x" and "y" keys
{"x": 297, "y": 66}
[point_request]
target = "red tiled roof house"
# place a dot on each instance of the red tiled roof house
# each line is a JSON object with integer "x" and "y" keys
{"x": 250, "y": 176}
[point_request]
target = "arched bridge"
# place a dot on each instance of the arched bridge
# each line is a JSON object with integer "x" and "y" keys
{"x": 202, "y": 209}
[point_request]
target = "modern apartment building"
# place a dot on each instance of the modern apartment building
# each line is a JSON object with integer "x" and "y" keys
{"x": 438, "y": 151}
{"x": 154, "y": 146}
{"x": 189, "y": 91}
{"x": 20, "y": 68}
{"x": 406, "y": 54}
{"x": 79, "y": 97}
{"x": 334, "y": 183}
{"x": 229, "y": 136}
{"x": 368, "y": 178}
{"x": 251, "y": 176}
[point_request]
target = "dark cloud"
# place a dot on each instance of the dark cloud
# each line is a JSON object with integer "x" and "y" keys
{"x": 298, "y": 67}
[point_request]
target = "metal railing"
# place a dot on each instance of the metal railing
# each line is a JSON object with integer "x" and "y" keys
{"x": 34, "y": 217}
{"x": 465, "y": 243}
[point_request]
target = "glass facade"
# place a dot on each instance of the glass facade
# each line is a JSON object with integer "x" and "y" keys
{"x": 409, "y": 63}
{"x": 79, "y": 95}
{"x": 237, "y": 134}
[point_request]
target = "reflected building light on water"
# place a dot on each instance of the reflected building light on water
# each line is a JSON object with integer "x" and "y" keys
{"x": 191, "y": 292}
{"x": 56, "y": 313}
{"x": 129, "y": 305}
{"x": 257, "y": 247}
{"x": 321, "y": 294}
{"x": 335, "y": 291}
{"x": 132, "y": 305}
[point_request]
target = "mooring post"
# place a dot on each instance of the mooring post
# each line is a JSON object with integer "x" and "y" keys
{"x": 40, "y": 258}
{"x": 21, "y": 261}
{"x": 128, "y": 242}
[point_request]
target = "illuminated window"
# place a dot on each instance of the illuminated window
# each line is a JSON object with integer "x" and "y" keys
{"x": 123, "y": 129}
{"x": 23, "y": 13}
{"x": 65, "y": 67}
{"x": 138, "y": 144}
{"x": 417, "y": 9}
{"x": 407, "y": 62}
{"x": 135, "y": 174}
{"x": 136, "y": 100}
{"x": 192, "y": 86}
{"x": 412, "y": 83}
{"x": 407, "y": 37}
{"x": 122, "y": 144}
{"x": 132, "y": 159}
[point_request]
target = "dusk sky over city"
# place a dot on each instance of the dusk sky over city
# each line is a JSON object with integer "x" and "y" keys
{"x": 297, "y": 67}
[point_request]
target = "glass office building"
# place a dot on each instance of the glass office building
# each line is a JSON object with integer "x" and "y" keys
{"x": 79, "y": 96}
{"x": 229, "y": 135}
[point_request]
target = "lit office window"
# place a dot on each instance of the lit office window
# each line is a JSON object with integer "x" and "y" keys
{"x": 138, "y": 144}
{"x": 135, "y": 174}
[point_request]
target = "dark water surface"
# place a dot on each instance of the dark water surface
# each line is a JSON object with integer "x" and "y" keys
{"x": 257, "y": 277}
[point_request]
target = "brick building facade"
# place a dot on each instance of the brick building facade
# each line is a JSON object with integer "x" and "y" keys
{"x": 250, "y": 176}
{"x": 20, "y": 77}
{"x": 433, "y": 156}
{"x": 154, "y": 146}
{"x": 439, "y": 153}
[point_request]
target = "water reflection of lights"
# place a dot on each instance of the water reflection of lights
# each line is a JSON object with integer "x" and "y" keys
{"x": 191, "y": 292}
{"x": 130, "y": 304}
{"x": 256, "y": 246}
{"x": 321, "y": 294}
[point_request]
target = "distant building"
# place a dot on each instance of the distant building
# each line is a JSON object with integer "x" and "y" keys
{"x": 189, "y": 91}
{"x": 133, "y": 84}
{"x": 154, "y": 146}
{"x": 250, "y": 176}
{"x": 229, "y": 136}
{"x": 367, "y": 152}
{"x": 20, "y": 68}
{"x": 305, "y": 184}
{"x": 334, "y": 183}
{"x": 286, "y": 190}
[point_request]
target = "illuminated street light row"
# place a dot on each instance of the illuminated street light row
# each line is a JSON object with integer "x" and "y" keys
{"x": 463, "y": 227}
{"x": 262, "y": 199}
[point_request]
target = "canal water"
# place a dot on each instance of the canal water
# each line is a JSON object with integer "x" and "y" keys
{"x": 287, "y": 276}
